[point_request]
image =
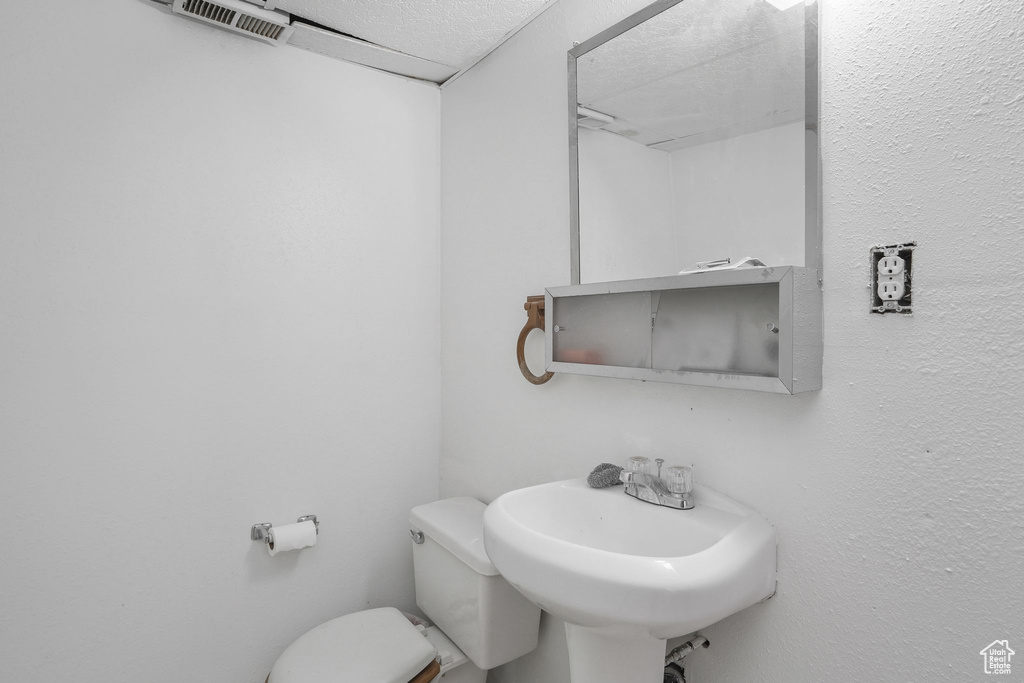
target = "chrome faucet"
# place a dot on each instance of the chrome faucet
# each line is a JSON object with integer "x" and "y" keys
{"x": 676, "y": 493}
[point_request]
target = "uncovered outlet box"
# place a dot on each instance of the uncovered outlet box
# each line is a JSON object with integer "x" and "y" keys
{"x": 891, "y": 281}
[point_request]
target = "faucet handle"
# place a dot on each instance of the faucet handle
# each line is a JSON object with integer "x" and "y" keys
{"x": 639, "y": 464}
{"x": 679, "y": 480}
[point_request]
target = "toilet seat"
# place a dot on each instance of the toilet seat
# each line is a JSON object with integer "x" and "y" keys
{"x": 374, "y": 646}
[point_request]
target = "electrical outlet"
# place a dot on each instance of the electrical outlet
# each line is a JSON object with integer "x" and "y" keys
{"x": 890, "y": 266}
{"x": 891, "y": 278}
{"x": 891, "y": 290}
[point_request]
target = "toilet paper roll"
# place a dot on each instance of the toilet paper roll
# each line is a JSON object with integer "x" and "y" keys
{"x": 292, "y": 537}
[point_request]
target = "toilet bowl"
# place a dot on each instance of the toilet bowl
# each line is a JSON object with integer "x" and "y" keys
{"x": 480, "y": 621}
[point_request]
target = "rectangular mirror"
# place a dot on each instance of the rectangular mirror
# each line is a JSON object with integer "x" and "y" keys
{"x": 693, "y": 130}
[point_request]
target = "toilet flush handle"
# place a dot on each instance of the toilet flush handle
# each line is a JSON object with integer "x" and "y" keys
{"x": 417, "y": 536}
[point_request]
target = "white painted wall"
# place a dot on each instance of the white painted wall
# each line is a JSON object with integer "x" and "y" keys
{"x": 896, "y": 491}
{"x": 739, "y": 197}
{"x": 648, "y": 213}
{"x": 218, "y": 306}
{"x": 626, "y": 219}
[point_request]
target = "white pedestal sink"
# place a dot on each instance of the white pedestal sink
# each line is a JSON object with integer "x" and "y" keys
{"x": 626, "y": 575}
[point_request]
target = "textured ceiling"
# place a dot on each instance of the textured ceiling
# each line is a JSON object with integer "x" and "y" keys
{"x": 703, "y": 70}
{"x": 450, "y": 32}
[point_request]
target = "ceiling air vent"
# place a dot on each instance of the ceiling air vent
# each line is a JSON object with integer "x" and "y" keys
{"x": 234, "y": 15}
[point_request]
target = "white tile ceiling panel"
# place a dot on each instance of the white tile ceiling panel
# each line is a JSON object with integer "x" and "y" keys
{"x": 339, "y": 47}
{"x": 756, "y": 83}
{"x": 682, "y": 37}
{"x": 700, "y": 71}
{"x": 450, "y": 32}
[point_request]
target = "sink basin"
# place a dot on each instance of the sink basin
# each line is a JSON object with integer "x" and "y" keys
{"x": 626, "y": 575}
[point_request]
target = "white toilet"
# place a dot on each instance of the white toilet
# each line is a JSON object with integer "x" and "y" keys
{"x": 480, "y": 621}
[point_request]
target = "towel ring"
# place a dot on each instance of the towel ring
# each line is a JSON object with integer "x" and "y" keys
{"x": 534, "y": 321}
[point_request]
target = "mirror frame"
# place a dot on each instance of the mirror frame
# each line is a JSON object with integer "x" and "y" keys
{"x": 812, "y": 147}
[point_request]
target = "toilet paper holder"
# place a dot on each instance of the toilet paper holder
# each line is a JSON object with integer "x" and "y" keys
{"x": 261, "y": 532}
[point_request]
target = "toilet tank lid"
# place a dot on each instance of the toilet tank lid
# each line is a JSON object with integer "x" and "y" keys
{"x": 457, "y": 525}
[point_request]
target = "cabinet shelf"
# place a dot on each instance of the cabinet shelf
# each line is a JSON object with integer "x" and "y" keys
{"x": 758, "y": 329}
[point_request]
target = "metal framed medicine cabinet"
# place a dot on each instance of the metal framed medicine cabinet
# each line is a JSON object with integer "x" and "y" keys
{"x": 758, "y": 329}
{"x": 754, "y": 328}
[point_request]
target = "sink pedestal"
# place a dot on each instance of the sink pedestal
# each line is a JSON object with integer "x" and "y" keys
{"x": 598, "y": 656}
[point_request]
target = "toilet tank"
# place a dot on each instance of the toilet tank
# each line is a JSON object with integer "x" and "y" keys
{"x": 461, "y": 591}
